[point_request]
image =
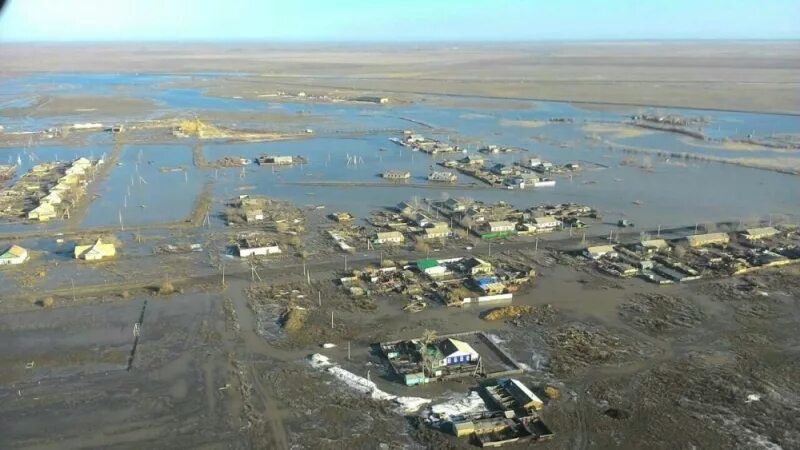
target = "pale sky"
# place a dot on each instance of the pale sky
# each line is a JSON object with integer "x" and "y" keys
{"x": 396, "y": 20}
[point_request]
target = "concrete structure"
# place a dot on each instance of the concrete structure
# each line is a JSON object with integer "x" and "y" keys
{"x": 42, "y": 213}
{"x": 701, "y": 240}
{"x": 752, "y": 234}
{"x": 598, "y": 251}
{"x": 14, "y": 255}
{"x": 500, "y": 226}
{"x": 397, "y": 175}
{"x": 96, "y": 251}
{"x": 389, "y": 237}
{"x": 247, "y": 249}
{"x": 456, "y": 352}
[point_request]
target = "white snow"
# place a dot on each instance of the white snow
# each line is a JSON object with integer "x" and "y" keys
{"x": 471, "y": 403}
{"x": 328, "y": 345}
{"x": 752, "y": 398}
{"x": 365, "y": 386}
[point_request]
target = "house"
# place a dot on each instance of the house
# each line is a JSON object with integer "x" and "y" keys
{"x": 474, "y": 160}
{"x": 69, "y": 180}
{"x": 96, "y": 251}
{"x": 397, "y": 175}
{"x": 598, "y": 251}
{"x": 533, "y": 162}
{"x": 546, "y": 223}
{"x": 273, "y": 159}
{"x": 421, "y": 219}
{"x": 437, "y": 232}
{"x": 42, "y": 213}
{"x": 61, "y": 188}
{"x": 342, "y": 216}
{"x": 431, "y": 267}
{"x": 370, "y": 99}
{"x": 249, "y": 247}
{"x": 254, "y": 215}
{"x": 654, "y": 245}
{"x": 490, "y": 285}
{"x": 476, "y": 266}
{"x": 14, "y": 255}
{"x": 502, "y": 169}
{"x": 455, "y": 352}
{"x": 389, "y": 237}
{"x": 701, "y": 240}
{"x": 53, "y": 198}
{"x": 454, "y": 205}
{"x": 501, "y": 226}
{"x": 82, "y": 163}
{"x": 76, "y": 171}
{"x": 443, "y": 177}
{"x": 752, "y": 234}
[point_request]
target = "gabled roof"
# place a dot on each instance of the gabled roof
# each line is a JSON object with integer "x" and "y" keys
{"x": 424, "y": 264}
{"x": 15, "y": 251}
{"x": 450, "y": 346}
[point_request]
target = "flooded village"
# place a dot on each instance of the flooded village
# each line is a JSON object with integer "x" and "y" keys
{"x": 301, "y": 267}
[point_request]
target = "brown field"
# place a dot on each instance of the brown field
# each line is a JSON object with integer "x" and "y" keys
{"x": 749, "y": 76}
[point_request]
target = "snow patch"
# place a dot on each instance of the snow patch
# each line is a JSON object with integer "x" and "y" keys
{"x": 471, "y": 403}
{"x": 495, "y": 338}
{"x": 365, "y": 386}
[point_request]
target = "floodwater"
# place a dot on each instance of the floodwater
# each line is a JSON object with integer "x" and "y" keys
{"x": 672, "y": 194}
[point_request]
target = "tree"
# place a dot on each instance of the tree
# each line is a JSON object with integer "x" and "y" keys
{"x": 422, "y": 247}
{"x": 428, "y": 338}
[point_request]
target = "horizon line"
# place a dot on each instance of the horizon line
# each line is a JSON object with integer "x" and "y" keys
{"x": 400, "y": 42}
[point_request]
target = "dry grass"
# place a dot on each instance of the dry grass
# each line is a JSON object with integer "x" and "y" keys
{"x": 752, "y": 76}
{"x": 615, "y": 131}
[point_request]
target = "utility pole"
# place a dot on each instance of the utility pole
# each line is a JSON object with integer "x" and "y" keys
{"x": 345, "y": 263}
{"x": 223, "y": 275}
{"x": 659, "y": 231}
{"x": 331, "y": 320}
{"x": 319, "y": 298}
{"x": 536, "y": 245}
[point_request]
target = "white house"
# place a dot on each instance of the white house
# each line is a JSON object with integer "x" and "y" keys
{"x": 501, "y": 226}
{"x": 389, "y": 237}
{"x": 598, "y": 251}
{"x": 14, "y": 255}
{"x": 456, "y": 352}
{"x": 546, "y": 222}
